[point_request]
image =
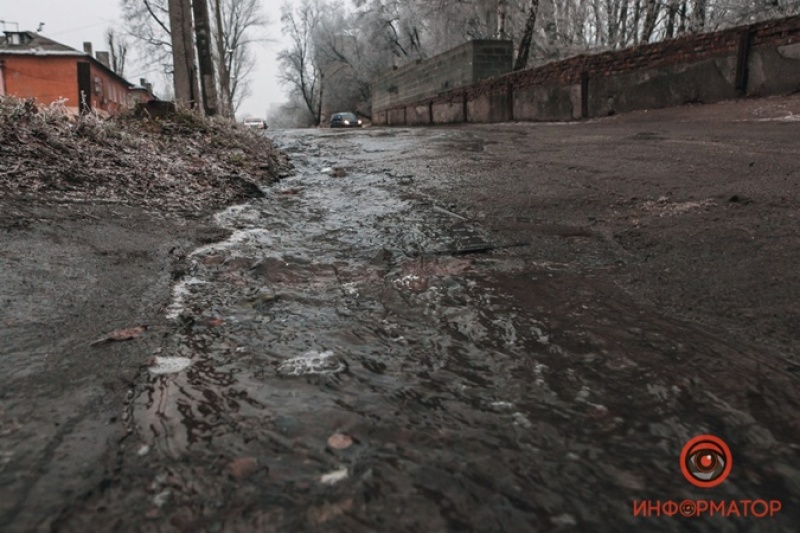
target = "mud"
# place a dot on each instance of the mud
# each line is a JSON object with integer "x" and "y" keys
{"x": 491, "y": 328}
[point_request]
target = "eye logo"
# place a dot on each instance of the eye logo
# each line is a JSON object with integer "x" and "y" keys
{"x": 706, "y": 461}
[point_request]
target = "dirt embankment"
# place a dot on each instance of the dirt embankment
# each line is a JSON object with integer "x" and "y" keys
{"x": 95, "y": 218}
{"x": 185, "y": 164}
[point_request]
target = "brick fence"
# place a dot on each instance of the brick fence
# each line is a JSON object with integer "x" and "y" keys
{"x": 757, "y": 60}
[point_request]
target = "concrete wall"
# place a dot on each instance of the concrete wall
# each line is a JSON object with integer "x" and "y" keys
{"x": 697, "y": 68}
{"x": 547, "y": 102}
{"x": 464, "y": 65}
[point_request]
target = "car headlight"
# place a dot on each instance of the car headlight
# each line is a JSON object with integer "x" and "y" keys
{"x": 359, "y": 122}
{"x": 347, "y": 122}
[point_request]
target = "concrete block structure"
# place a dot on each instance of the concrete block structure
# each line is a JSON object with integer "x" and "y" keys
{"x": 464, "y": 65}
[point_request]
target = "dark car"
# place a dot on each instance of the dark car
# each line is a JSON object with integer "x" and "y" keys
{"x": 345, "y": 120}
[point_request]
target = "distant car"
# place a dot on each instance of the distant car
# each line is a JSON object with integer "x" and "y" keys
{"x": 345, "y": 120}
{"x": 255, "y": 123}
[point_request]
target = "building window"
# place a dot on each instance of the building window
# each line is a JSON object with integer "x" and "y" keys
{"x": 98, "y": 85}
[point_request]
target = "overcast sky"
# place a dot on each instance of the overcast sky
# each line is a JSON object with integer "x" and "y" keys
{"x": 72, "y": 22}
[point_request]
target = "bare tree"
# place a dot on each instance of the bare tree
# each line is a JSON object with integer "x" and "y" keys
{"x": 651, "y": 11}
{"x": 298, "y": 63}
{"x": 235, "y": 23}
{"x": 527, "y": 37}
{"x": 338, "y": 46}
{"x": 699, "y": 16}
{"x": 146, "y": 22}
{"x": 501, "y": 18}
{"x": 118, "y": 51}
{"x": 234, "y": 29}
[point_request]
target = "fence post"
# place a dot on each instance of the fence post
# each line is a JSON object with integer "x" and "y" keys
{"x": 510, "y": 100}
{"x": 584, "y": 94}
{"x": 430, "y": 112}
{"x": 742, "y": 58}
{"x": 464, "y": 106}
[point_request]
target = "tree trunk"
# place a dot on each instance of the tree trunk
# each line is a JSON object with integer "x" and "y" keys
{"x": 637, "y": 9}
{"x": 650, "y": 17}
{"x": 611, "y": 17}
{"x": 599, "y": 32}
{"x": 699, "y": 16}
{"x": 205, "y": 61}
{"x": 623, "y": 24}
{"x": 527, "y": 37}
{"x": 225, "y": 103}
{"x": 682, "y": 26}
{"x": 501, "y": 19}
{"x": 318, "y": 117}
{"x": 184, "y": 79}
{"x": 672, "y": 12}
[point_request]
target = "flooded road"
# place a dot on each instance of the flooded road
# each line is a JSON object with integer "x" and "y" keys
{"x": 361, "y": 355}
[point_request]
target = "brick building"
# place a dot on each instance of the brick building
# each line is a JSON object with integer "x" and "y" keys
{"x": 33, "y": 66}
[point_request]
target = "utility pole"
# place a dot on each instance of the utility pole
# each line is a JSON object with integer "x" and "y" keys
{"x": 183, "y": 77}
{"x": 205, "y": 61}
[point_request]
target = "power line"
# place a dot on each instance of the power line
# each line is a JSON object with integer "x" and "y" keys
{"x": 81, "y": 28}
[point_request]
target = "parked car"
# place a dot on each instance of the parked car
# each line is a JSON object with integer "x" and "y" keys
{"x": 257, "y": 123}
{"x": 345, "y": 120}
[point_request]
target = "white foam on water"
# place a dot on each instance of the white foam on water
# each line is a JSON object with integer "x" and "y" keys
{"x": 258, "y": 236}
{"x": 521, "y": 420}
{"x": 169, "y": 365}
{"x": 501, "y": 406}
{"x": 311, "y": 363}
{"x": 539, "y": 370}
{"x": 180, "y": 292}
{"x": 540, "y": 335}
{"x": 350, "y": 289}
{"x": 160, "y": 499}
{"x": 237, "y": 215}
{"x": 334, "y": 477}
{"x": 408, "y": 282}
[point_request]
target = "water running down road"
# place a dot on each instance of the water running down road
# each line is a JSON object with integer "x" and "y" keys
{"x": 340, "y": 362}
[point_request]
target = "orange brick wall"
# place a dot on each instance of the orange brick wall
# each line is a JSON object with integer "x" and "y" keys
{"x": 113, "y": 95}
{"x": 45, "y": 78}
{"x": 50, "y": 78}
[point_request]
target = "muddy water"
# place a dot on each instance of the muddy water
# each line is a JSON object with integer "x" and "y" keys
{"x": 347, "y": 360}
